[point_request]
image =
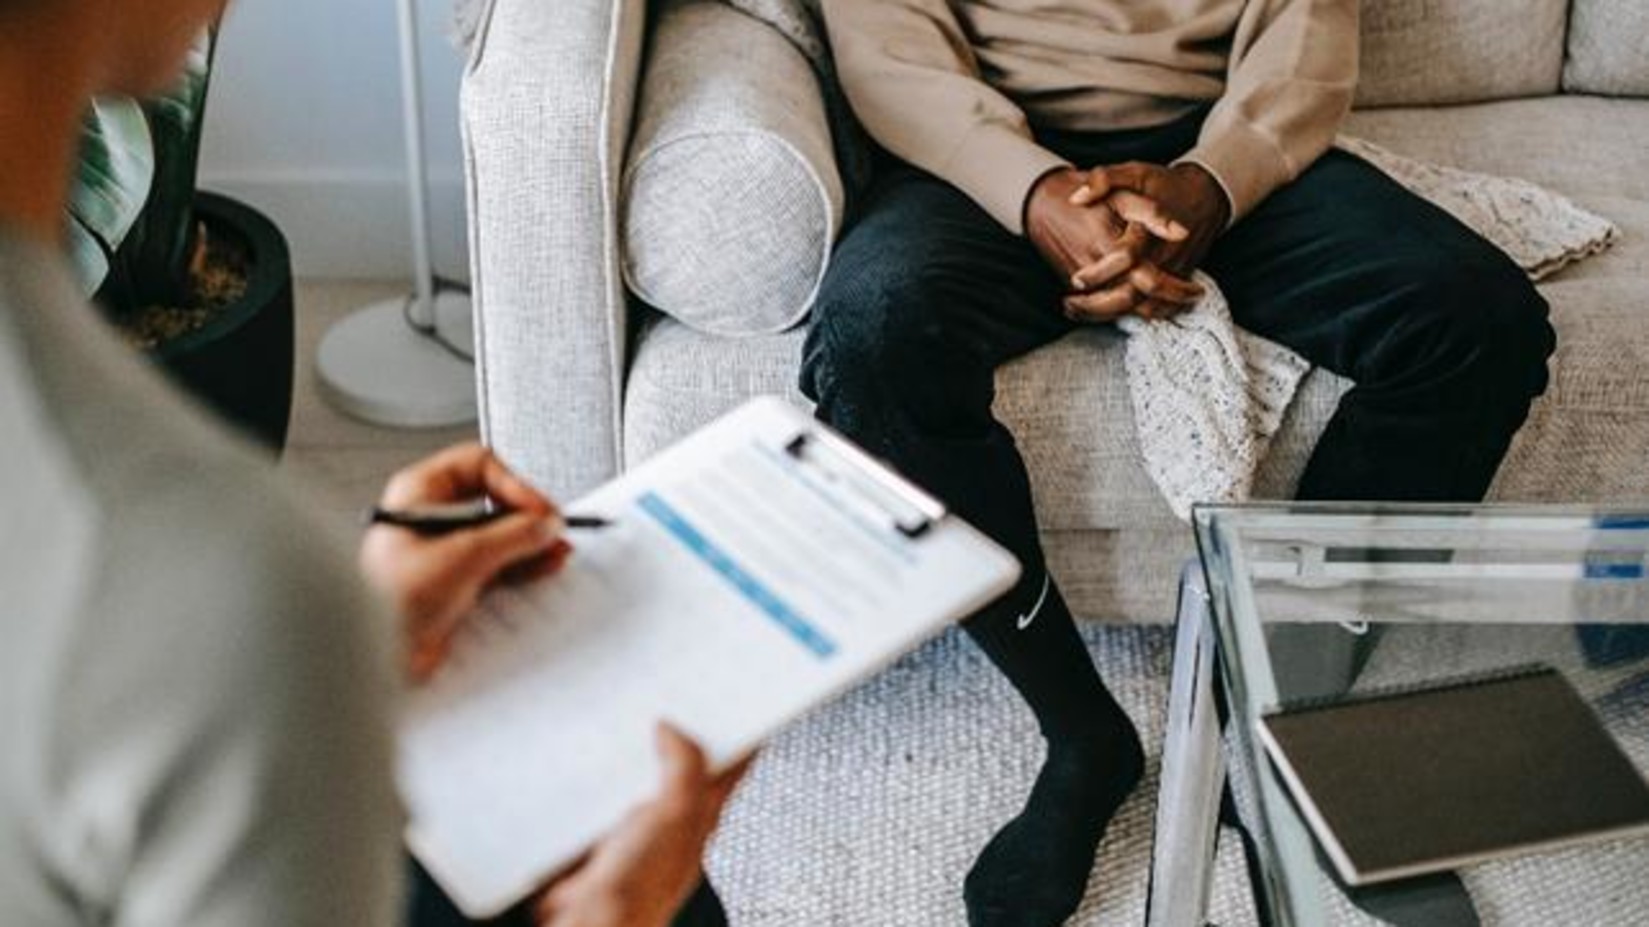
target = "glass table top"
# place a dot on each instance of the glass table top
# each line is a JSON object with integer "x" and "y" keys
{"x": 1313, "y": 601}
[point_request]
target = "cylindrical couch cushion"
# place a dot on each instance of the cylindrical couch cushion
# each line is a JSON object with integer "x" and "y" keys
{"x": 1426, "y": 52}
{"x": 732, "y": 197}
{"x": 1608, "y": 48}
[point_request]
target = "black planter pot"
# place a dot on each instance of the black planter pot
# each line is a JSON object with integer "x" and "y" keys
{"x": 241, "y": 363}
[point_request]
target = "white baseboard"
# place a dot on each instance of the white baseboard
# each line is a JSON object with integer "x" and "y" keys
{"x": 353, "y": 226}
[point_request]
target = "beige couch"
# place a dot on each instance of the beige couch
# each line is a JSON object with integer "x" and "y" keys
{"x": 578, "y": 379}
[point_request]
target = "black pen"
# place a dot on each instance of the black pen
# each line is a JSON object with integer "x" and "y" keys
{"x": 457, "y": 516}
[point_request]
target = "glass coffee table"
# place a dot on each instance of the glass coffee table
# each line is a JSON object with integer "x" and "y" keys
{"x": 1308, "y": 601}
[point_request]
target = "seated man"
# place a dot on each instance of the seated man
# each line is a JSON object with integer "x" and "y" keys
{"x": 1062, "y": 164}
{"x": 196, "y": 692}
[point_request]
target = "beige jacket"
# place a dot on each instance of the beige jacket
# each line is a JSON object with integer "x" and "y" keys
{"x": 956, "y": 87}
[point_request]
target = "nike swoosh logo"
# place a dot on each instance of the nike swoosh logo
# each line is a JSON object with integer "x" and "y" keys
{"x": 1027, "y": 618}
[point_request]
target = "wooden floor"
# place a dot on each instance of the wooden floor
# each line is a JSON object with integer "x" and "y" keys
{"x": 343, "y": 462}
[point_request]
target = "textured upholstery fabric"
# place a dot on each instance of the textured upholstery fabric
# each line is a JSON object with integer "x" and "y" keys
{"x": 1426, "y": 52}
{"x": 732, "y": 198}
{"x": 546, "y": 110}
{"x": 1608, "y": 48}
{"x": 1589, "y": 149}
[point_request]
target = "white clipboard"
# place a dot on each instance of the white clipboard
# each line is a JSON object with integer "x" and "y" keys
{"x": 753, "y": 572}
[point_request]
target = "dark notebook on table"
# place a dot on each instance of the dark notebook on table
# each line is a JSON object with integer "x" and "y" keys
{"x": 1402, "y": 783}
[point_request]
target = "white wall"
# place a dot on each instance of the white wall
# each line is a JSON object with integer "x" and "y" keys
{"x": 304, "y": 122}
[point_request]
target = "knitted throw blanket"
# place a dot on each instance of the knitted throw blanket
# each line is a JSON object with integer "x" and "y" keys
{"x": 1208, "y": 397}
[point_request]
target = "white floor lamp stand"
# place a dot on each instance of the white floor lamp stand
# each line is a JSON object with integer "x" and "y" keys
{"x": 402, "y": 362}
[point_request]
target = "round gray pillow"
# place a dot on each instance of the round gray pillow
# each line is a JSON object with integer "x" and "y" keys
{"x": 731, "y": 197}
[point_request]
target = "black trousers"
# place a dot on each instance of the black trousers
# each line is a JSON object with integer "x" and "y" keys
{"x": 1444, "y": 337}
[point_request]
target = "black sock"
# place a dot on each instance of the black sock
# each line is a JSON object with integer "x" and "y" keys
{"x": 1034, "y": 871}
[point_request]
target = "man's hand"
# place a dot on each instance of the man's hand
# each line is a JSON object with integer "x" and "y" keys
{"x": 1186, "y": 194}
{"x": 646, "y": 869}
{"x": 435, "y": 581}
{"x": 1095, "y": 236}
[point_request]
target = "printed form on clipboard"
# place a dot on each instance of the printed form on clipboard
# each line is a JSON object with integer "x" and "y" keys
{"x": 753, "y": 572}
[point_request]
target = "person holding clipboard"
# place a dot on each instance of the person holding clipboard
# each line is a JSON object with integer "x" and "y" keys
{"x": 196, "y": 691}
{"x": 432, "y": 553}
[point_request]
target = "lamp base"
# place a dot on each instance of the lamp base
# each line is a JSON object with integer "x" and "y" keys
{"x": 372, "y": 366}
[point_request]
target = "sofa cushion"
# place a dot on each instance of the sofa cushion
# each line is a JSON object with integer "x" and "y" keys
{"x": 1420, "y": 52}
{"x": 732, "y": 198}
{"x": 1583, "y": 147}
{"x": 1608, "y": 48}
{"x": 1537, "y": 140}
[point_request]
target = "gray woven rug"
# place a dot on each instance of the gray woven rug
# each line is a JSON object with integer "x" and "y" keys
{"x": 870, "y": 812}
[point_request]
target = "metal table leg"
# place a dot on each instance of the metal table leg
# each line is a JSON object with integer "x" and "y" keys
{"x": 1193, "y": 771}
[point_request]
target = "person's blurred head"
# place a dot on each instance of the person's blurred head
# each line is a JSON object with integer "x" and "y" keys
{"x": 132, "y": 47}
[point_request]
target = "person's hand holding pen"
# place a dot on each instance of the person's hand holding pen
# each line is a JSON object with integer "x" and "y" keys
{"x": 434, "y": 578}
{"x": 433, "y": 549}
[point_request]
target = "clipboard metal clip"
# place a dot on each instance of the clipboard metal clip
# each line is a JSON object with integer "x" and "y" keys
{"x": 863, "y": 482}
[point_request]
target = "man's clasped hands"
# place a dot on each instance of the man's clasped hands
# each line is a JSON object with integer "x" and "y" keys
{"x": 1126, "y": 237}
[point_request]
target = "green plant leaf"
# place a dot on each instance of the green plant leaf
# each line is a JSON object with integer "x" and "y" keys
{"x": 117, "y": 167}
{"x": 183, "y": 106}
{"x": 88, "y": 258}
{"x": 151, "y": 266}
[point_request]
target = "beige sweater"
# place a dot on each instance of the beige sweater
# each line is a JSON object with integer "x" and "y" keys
{"x": 956, "y": 86}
